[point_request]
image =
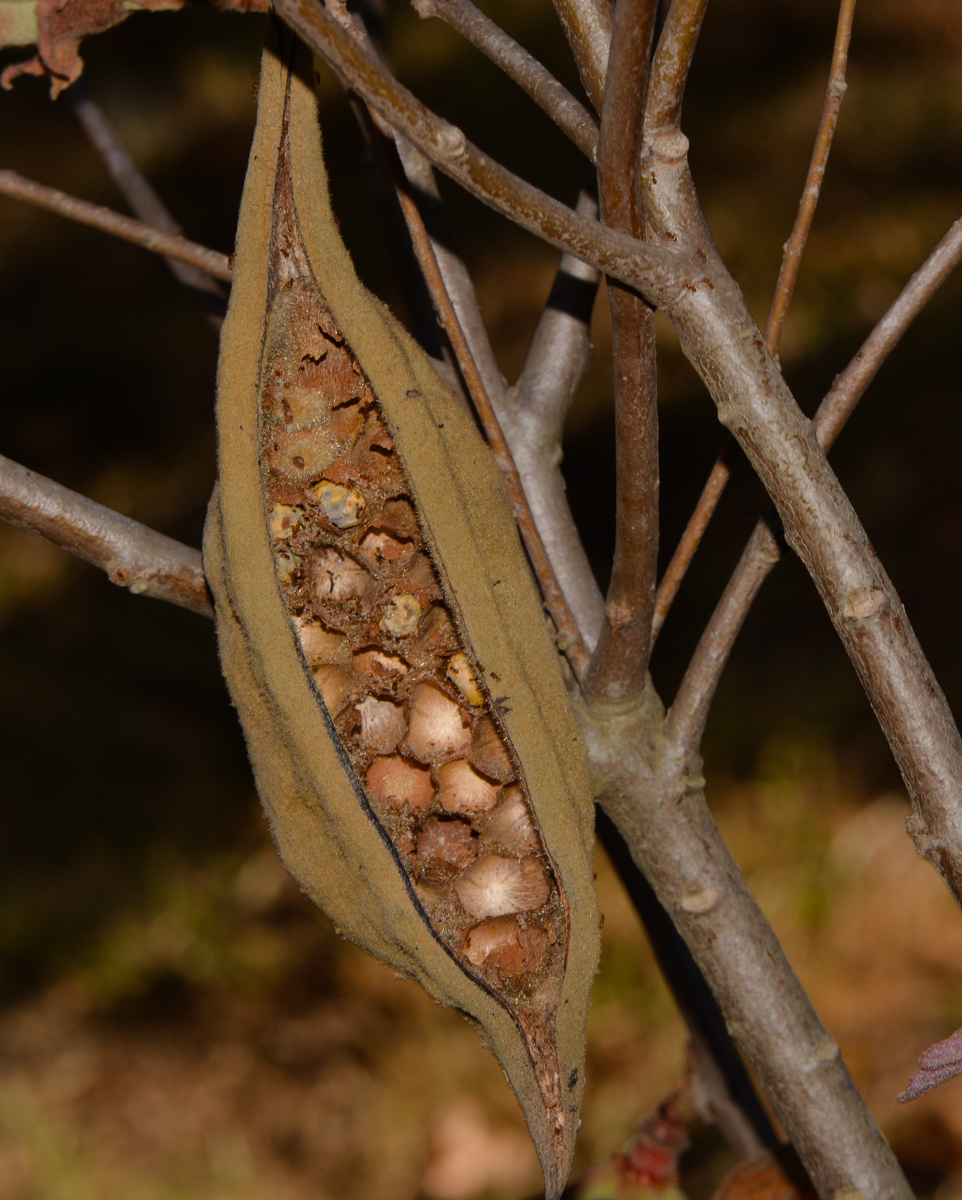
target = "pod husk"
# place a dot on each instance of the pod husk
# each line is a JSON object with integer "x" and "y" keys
{"x": 322, "y": 824}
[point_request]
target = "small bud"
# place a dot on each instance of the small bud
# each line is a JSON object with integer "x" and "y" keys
{"x": 496, "y": 886}
{"x": 438, "y": 728}
{"x": 461, "y": 789}
{"x": 398, "y": 783}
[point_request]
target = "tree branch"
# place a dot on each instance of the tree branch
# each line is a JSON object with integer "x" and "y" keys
{"x": 569, "y": 114}
{"x": 108, "y": 221}
{"x": 672, "y": 63}
{"x": 621, "y": 657}
{"x": 657, "y": 272}
{"x": 135, "y": 557}
{"x": 655, "y": 800}
{"x": 784, "y": 287}
{"x": 587, "y": 25}
{"x": 689, "y": 712}
{"x": 143, "y": 200}
{"x": 556, "y": 361}
{"x": 795, "y": 246}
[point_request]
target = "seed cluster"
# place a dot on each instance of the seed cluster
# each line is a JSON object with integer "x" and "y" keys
{"x": 399, "y": 681}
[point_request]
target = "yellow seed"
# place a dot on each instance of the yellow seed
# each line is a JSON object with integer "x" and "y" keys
{"x": 285, "y": 520}
{"x": 462, "y": 675}
{"x": 401, "y": 615}
{"x": 339, "y": 503}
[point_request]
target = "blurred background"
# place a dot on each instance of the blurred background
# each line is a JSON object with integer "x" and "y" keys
{"x": 175, "y": 1019}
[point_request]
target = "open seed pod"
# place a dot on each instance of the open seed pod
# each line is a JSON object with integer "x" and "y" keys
{"x": 384, "y": 643}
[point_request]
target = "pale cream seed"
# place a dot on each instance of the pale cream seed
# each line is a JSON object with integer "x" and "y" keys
{"x": 401, "y": 615}
{"x": 398, "y": 783}
{"x": 462, "y": 790}
{"x": 336, "y": 576}
{"x": 383, "y": 725}
{"x": 437, "y": 726}
{"x": 495, "y": 886}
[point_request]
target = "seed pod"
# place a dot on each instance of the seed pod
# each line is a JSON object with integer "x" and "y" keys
{"x": 384, "y": 643}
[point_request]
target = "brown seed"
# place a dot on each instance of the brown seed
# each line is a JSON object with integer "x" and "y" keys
{"x": 319, "y": 645}
{"x": 379, "y": 546}
{"x": 447, "y": 839}
{"x": 489, "y": 755}
{"x": 335, "y": 686}
{"x": 376, "y": 665}
{"x": 502, "y": 945}
{"x": 382, "y": 725}
{"x": 347, "y": 420}
{"x": 510, "y": 825}
{"x": 420, "y": 579}
{"x": 401, "y": 615}
{"x": 398, "y": 783}
{"x": 496, "y": 886}
{"x": 337, "y": 577}
{"x": 437, "y": 728}
{"x": 399, "y": 518}
{"x": 461, "y": 789}
{"x": 438, "y": 635}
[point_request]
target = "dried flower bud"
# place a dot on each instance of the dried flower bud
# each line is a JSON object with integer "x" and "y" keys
{"x": 438, "y": 728}
{"x": 496, "y": 886}
{"x": 382, "y": 725}
{"x": 462, "y": 790}
{"x": 398, "y": 783}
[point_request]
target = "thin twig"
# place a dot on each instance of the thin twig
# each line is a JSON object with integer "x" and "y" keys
{"x": 569, "y": 114}
{"x": 672, "y": 63}
{"x": 657, "y": 272}
{"x": 689, "y": 712}
{"x": 587, "y": 25}
{"x": 557, "y": 359}
{"x": 621, "y": 656}
{"x": 784, "y": 287}
{"x": 569, "y": 637}
{"x": 135, "y": 557}
{"x": 143, "y": 200}
{"x": 795, "y": 246}
{"x": 108, "y": 221}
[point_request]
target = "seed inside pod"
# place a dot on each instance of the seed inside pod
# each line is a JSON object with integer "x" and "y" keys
{"x": 380, "y": 667}
{"x": 448, "y": 839}
{"x": 378, "y": 546}
{"x": 398, "y": 517}
{"x": 438, "y": 728}
{"x": 286, "y": 519}
{"x": 336, "y": 576}
{"x": 347, "y": 420}
{"x": 401, "y": 615}
{"x": 285, "y": 565}
{"x": 300, "y": 456}
{"x": 319, "y": 645}
{"x": 496, "y": 886}
{"x": 510, "y": 825}
{"x": 501, "y": 944}
{"x": 396, "y": 782}
{"x": 340, "y": 504}
{"x": 419, "y": 578}
{"x": 382, "y": 725}
{"x": 335, "y": 686}
{"x": 488, "y": 753}
{"x": 462, "y": 675}
{"x": 461, "y": 789}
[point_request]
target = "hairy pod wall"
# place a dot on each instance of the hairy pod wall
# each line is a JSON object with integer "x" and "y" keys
{"x": 384, "y": 642}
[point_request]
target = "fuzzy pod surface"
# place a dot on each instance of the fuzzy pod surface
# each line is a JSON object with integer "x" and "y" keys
{"x": 384, "y": 642}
